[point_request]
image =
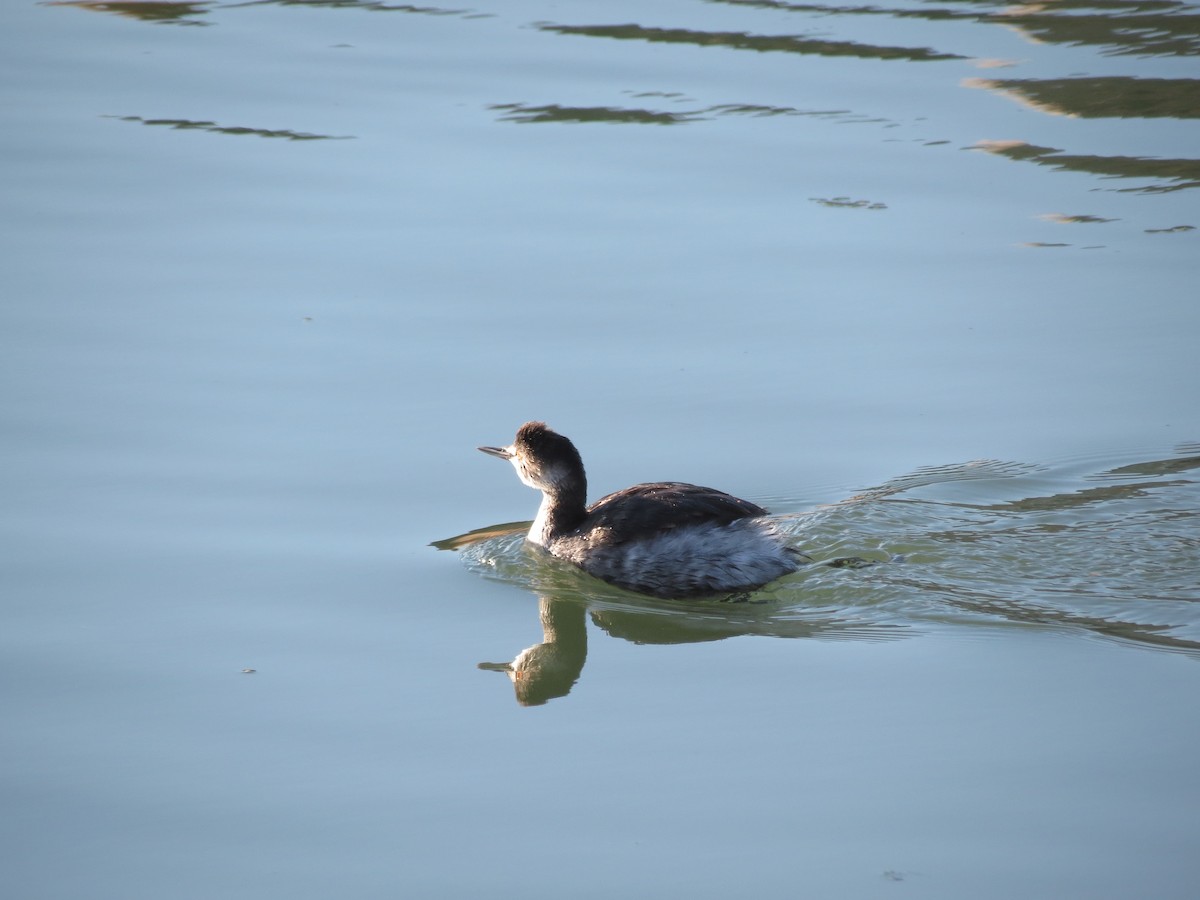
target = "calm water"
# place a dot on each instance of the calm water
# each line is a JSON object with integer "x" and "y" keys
{"x": 919, "y": 277}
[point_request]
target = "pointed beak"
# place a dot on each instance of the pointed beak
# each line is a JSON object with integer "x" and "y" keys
{"x": 496, "y": 667}
{"x": 502, "y": 452}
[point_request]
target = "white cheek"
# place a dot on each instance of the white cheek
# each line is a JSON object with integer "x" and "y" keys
{"x": 522, "y": 474}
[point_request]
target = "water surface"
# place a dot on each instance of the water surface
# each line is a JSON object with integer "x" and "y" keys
{"x": 918, "y": 276}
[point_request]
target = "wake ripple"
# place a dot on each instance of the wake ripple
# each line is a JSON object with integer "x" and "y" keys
{"x": 1103, "y": 547}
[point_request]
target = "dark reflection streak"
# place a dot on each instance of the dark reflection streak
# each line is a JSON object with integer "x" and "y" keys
{"x": 1156, "y": 467}
{"x": 1117, "y": 7}
{"x": 368, "y": 5}
{"x": 1102, "y": 98}
{"x": 1026, "y": 612}
{"x": 1129, "y": 28}
{"x": 751, "y": 109}
{"x": 553, "y": 112}
{"x": 979, "y": 470}
{"x": 1186, "y": 172}
{"x": 740, "y": 40}
{"x": 516, "y": 112}
{"x": 823, "y": 9}
{"x": 164, "y": 13}
{"x": 190, "y": 125}
{"x": 1076, "y": 499}
{"x": 1157, "y": 35}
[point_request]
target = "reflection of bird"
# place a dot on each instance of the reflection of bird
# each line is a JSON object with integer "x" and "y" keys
{"x": 549, "y": 669}
{"x": 668, "y": 539}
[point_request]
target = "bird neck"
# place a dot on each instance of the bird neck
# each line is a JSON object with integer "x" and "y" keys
{"x": 561, "y": 510}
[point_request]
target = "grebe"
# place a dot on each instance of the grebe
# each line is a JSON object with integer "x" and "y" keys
{"x": 667, "y": 539}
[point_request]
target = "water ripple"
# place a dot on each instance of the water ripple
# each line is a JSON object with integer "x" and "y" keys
{"x": 1109, "y": 550}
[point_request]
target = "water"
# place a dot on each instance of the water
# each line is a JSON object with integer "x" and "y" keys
{"x": 918, "y": 277}
{"x": 1112, "y": 553}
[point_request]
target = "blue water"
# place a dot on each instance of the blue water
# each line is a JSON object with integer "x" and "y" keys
{"x": 918, "y": 277}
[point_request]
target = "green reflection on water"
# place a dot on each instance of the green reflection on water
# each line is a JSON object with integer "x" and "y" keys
{"x": 761, "y": 43}
{"x": 1182, "y": 173}
{"x": 156, "y": 13}
{"x": 553, "y": 112}
{"x": 190, "y": 125}
{"x": 1125, "y": 27}
{"x": 1110, "y": 97}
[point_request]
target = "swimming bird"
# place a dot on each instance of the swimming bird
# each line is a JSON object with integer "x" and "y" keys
{"x": 667, "y": 539}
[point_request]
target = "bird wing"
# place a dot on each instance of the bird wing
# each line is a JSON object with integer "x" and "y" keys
{"x": 647, "y": 508}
